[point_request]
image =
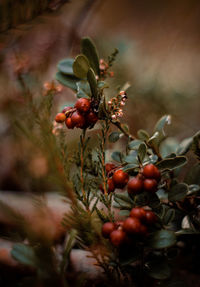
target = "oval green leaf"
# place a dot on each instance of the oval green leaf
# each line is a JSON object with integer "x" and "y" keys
{"x": 88, "y": 48}
{"x": 67, "y": 81}
{"x": 162, "y": 239}
{"x": 178, "y": 192}
{"x": 65, "y": 66}
{"x": 81, "y": 66}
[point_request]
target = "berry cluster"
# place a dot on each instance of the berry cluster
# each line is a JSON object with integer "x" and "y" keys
{"x": 146, "y": 180}
{"x": 116, "y": 178}
{"x": 121, "y": 232}
{"x": 115, "y": 105}
{"x": 80, "y": 116}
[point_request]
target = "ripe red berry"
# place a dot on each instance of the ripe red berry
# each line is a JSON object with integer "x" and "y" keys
{"x": 143, "y": 230}
{"x": 132, "y": 225}
{"x": 151, "y": 171}
{"x": 110, "y": 186}
{"x": 150, "y": 185}
{"x": 109, "y": 167}
{"x": 119, "y": 223}
{"x": 150, "y": 217}
{"x": 69, "y": 123}
{"x": 91, "y": 118}
{"x": 139, "y": 213}
{"x": 117, "y": 237}
{"x": 66, "y": 109}
{"x": 120, "y": 178}
{"x": 83, "y": 105}
{"x": 135, "y": 185}
{"x": 107, "y": 228}
{"x": 60, "y": 118}
{"x": 78, "y": 120}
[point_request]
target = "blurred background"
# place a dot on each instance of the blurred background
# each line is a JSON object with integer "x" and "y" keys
{"x": 159, "y": 55}
{"x": 159, "y": 45}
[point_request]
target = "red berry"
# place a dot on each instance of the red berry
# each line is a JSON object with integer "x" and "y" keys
{"x": 109, "y": 167}
{"x": 83, "y": 105}
{"x": 66, "y": 109}
{"x": 117, "y": 237}
{"x": 150, "y": 185}
{"x": 135, "y": 185}
{"x": 78, "y": 120}
{"x": 151, "y": 171}
{"x": 143, "y": 230}
{"x": 107, "y": 228}
{"x": 139, "y": 213}
{"x": 120, "y": 178}
{"x": 69, "y": 123}
{"x": 60, "y": 118}
{"x": 150, "y": 217}
{"x": 132, "y": 225}
{"x": 119, "y": 223}
{"x": 91, "y": 118}
{"x": 110, "y": 186}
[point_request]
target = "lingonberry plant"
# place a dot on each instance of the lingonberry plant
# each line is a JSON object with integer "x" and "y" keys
{"x": 130, "y": 210}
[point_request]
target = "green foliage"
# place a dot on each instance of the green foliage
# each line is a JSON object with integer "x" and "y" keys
{"x": 162, "y": 239}
{"x": 89, "y": 50}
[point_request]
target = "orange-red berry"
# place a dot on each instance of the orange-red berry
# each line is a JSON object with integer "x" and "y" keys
{"x": 83, "y": 105}
{"x": 132, "y": 225}
{"x": 117, "y": 237}
{"x": 110, "y": 186}
{"x": 120, "y": 178}
{"x": 60, "y": 118}
{"x": 139, "y": 213}
{"x": 151, "y": 171}
{"x": 91, "y": 118}
{"x": 150, "y": 217}
{"x": 66, "y": 109}
{"x": 78, "y": 120}
{"x": 69, "y": 123}
{"x": 107, "y": 228}
{"x": 109, "y": 167}
{"x": 135, "y": 185}
{"x": 150, "y": 185}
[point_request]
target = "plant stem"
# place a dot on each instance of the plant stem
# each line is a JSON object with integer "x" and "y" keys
{"x": 81, "y": 171}
{"x": 120, "y": 127}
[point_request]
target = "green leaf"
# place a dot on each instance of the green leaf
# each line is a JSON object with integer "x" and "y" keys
{"x": 124, "y": 197}
{"x": 132, "y": 158}
{"x": 81, "y": 66}
{"x": 162, "y": 239}
{"x": 193, "y": 189}
{"x": 67, "y": 81}
{"x": 65, "y": 66}
{"x": 169, "y": 216}
{"x": 113, "y": 137}
{"x": 102, "y": 85}
{"x": 117, "y": 156}
{"x": 68, "y": 247}
{"x": 134, "y": 144}
{"x": 184, "y": 146}
{"x": 168, "y": 146}
{"x": 142, "y": 151}
{"x": 158, "y": 268}
{"x": 24, "y": 254}
{"x": 171, "y": 163}
{"x": 178, "y": 192}
{"x": 130, "y": 167}
{"x": 159, "y": 127}
{"x": 84, "y": 86}
{"x": 143, "y": 135}
{"x": 88, "y": 48}
{"x": 93, "y": 83}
